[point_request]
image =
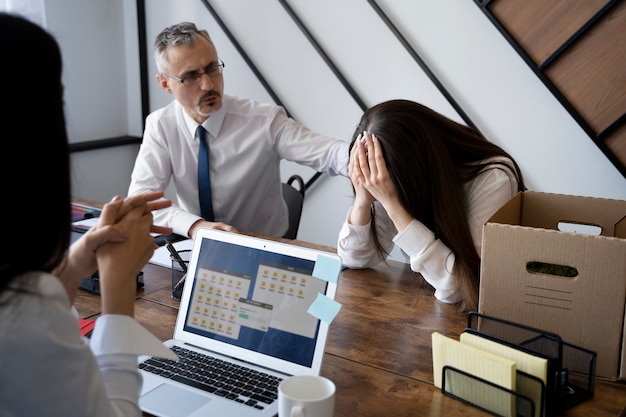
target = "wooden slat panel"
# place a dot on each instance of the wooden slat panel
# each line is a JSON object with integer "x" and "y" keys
{"x": 540, "y": 26}
{"x": 591, "y": 75}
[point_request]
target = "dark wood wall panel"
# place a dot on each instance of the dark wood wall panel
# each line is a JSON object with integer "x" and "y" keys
{"x": 591, "y": 73}
{"x": 542, "y": 26}
{"x": 578, "y": 49}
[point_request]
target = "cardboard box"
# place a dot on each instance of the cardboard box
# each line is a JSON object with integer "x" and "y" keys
{"x": 565, "y": 282}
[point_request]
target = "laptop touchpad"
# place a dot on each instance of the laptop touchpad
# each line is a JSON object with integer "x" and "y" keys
{"x": 172, "y": 401}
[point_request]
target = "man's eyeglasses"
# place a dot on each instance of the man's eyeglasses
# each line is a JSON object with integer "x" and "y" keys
{"x": 195, "y": 77}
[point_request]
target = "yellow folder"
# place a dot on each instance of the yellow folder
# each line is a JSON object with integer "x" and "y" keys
{"x": 477, "y": 362}
{"x": 525, "y": 362}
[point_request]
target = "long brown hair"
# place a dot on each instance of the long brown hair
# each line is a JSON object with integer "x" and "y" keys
{"x": 430, "y": 158}
{"x": 37, "y": 183}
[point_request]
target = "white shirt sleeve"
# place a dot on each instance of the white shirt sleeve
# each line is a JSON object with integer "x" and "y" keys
{"x": 164, "y": 141}
{"x": 355, "y": 246}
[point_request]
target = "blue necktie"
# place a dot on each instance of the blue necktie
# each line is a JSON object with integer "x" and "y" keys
{"x": 204, "y": 181}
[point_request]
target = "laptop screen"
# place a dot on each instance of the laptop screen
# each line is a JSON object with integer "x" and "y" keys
{"x": 255, "y": 299}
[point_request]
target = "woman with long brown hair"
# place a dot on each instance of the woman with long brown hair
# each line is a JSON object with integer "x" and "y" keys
{"x": 427, "y": 184}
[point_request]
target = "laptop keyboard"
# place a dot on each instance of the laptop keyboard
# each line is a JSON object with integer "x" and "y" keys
{"x": 234, "y": 382}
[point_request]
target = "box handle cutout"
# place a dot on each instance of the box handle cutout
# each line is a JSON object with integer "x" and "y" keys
{"x": 584, "y": 229}
{"x": 535, "y": 267}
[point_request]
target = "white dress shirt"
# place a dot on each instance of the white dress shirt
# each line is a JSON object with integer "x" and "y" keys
{"x": 429, "y": 256}
{"x": 247, "y": 140}
{"x": 48, "y": 369}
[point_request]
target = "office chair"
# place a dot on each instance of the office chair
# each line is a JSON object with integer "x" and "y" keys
{"x": 294, "y": 199}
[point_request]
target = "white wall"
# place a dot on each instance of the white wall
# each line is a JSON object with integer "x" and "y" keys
{"x": 93, "y": 42}
{"x": 482, "y": 72}
{"x": 102, "y": 94}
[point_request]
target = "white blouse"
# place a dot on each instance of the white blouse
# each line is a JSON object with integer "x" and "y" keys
{"x": 48, "y": 369}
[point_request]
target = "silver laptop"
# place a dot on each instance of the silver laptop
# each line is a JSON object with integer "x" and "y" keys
{"x": 253, "y": 303}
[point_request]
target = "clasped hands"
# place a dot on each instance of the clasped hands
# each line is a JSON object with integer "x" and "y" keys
{"x": 119, "y": 245}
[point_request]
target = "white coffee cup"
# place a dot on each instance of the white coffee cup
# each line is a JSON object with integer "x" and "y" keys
{"x": 306, "y": 396}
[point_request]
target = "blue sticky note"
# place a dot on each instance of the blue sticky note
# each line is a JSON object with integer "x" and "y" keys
{"x": 327, "y": 268}
{"x": 324, "y": 308}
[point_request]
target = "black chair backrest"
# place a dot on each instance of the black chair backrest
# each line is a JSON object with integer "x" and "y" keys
{"x": 294, "y": 199}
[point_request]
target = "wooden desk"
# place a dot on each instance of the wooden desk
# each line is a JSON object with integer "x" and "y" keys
{"x": 379, "y": 350}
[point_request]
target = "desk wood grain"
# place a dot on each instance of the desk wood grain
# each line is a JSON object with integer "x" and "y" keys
{"x": 388, "y": 316}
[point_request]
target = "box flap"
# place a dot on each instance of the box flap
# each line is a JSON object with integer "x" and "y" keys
{"x": 546, "y": 210}
{"x": 510, "y": 212}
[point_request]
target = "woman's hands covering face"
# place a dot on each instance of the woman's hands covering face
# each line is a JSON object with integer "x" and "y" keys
{"x": 368, "y": 172}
